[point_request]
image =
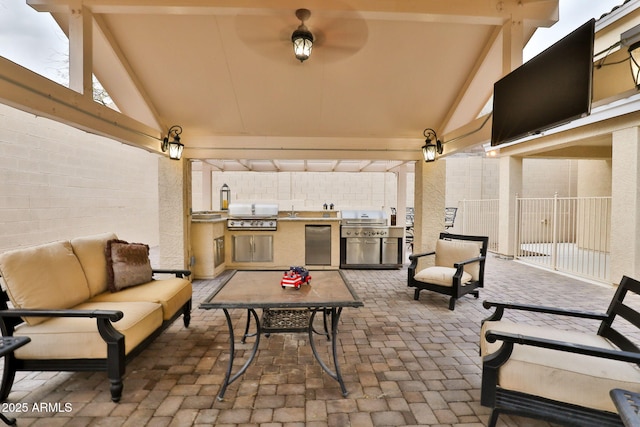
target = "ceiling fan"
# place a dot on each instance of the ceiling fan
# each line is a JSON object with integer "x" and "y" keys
{"x": 337, "y": 34}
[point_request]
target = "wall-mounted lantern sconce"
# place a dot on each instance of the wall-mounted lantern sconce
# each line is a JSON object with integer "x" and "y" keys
{"x": 429, "y": 149}
{"x": 634, "y": 57}
{"x": 631, "y": 38}
{"x": 302, "y": 38}
{"x": 225, "y": 197}
{"x": 174, "y": 146}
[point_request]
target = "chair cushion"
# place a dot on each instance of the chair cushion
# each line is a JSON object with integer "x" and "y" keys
{"x": 171, "y": 293}
{"x": 561, "y": 376}
{"x": 128, "y": 264}
{"x": 44, "y": 276}
{"x": 442, "y": 276}
{"x": 90, "y": 252}
{"x": 449, "y": 252}
{"x": 78, "y": 338}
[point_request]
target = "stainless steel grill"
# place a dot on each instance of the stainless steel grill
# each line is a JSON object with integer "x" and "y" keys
{"x": 253, "y": 216}
{"x": 366, "y": 241}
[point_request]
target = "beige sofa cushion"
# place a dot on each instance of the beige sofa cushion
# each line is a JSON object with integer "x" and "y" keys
{"x": 562, "y": 376}
{"x": 171, "y": 293}
{"x": 449, "y": 252}
{"x": 78, "y": 338}
{"x": 442, "y": 276}
{"x": 44, "y": 276}
{"x": 90, "y": 252}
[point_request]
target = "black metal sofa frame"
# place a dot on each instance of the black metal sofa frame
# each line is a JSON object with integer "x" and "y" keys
{"x": 116, "y": 360}
{"x": 517, "y": 403}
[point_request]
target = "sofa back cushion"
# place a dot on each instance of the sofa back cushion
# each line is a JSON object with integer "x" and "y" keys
{"x": 47, "y": 276}
{"x": 449, "y": 252}
{"x": 90, "y": 252}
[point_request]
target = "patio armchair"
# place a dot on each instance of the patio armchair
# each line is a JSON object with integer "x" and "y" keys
{"x": 559, "y": 375}
{"x": 458, "y": 270}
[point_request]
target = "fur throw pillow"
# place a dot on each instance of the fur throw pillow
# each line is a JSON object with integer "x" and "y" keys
{"x": 128, "y": 264}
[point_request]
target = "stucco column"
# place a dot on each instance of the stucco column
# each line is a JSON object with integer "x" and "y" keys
{"x": 510, "y": 186}
{"x": 625, "y": 204}
{"x": 401, "y": 200}
{"x": 429, "y": 200}
{"x": 173, "y": 197}
{"x": 207, "y": 198}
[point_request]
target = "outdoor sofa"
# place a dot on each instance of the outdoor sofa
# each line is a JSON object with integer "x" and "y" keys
{"x": 87, "y": 304}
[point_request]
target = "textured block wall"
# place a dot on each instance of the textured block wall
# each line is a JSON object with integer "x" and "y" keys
{"x": 57, "y": 182}
{"x": 309, "y": 190}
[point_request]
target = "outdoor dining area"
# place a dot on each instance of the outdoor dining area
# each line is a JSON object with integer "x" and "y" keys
{"x": 403, "y": 361}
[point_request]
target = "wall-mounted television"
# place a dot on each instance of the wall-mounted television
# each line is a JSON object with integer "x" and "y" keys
{"x": 550, "y": 89}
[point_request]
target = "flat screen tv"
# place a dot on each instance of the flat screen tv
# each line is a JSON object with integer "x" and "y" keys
{"x": 550, "y": 89}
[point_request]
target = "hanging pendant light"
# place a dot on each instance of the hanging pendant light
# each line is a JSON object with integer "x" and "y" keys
{"x": 302, "y": 38}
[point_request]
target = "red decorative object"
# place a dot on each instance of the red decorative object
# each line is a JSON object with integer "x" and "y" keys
{"x": 295, "y": 277}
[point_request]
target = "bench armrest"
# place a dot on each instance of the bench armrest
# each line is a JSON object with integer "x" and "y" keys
{"x": 511, "y": 339}
{"x": 500, "y": 307}
{"x": 178, "y": 273}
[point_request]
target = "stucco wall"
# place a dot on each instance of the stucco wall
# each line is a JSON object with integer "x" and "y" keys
{"x": 58, "y": 182}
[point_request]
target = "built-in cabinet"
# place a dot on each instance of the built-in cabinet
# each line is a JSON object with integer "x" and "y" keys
{"x": 304, "y": 241}
{"x": 253, "y": 248}
{"x": 208, "y": 249}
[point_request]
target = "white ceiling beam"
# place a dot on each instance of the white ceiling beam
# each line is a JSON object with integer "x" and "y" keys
{"x": 472, "y": 77}
{"x": 492, "y": 12}
{"x": 30, "y": 92}
{"x": 81, "y": 52}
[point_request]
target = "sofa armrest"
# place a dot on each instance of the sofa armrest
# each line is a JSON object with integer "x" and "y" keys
{"x": 510, "y": 339}
{"x": 178, "y": 273}
{"x": 500, "y": 307}
{"x": 111, "y": 315}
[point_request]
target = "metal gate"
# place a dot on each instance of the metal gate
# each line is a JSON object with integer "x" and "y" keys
{"x": 569, "y": 234}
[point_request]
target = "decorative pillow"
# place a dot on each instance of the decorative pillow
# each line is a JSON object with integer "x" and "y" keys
{"x": 128, "y": 264}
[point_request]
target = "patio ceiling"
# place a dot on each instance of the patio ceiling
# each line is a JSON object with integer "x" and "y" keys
{"x": 380, "y": 73}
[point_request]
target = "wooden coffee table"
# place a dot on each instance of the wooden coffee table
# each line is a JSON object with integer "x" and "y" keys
{"x": 284, "y": 310}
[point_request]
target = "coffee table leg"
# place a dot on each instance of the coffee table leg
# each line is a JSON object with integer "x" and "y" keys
{"x": 335, "y": 374}
{"x": 228, "y": 379}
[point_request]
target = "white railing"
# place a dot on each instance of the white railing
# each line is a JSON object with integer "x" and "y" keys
{"x": 569, "y": 234}
{"x": 480, "y": 218}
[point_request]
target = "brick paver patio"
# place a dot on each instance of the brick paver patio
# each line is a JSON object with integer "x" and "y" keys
{"x": 405, "y": 363}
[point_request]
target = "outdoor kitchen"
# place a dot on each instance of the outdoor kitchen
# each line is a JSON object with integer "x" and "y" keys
{"x": 262, "y": 236}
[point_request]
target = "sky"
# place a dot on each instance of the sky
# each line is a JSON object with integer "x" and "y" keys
{"x": 34, "y": 40}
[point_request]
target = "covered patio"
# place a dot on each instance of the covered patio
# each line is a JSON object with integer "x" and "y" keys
{"x": 405, "y": 363}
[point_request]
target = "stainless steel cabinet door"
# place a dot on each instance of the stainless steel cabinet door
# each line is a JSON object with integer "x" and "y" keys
{"x": 253, "y": 248}
{"x": 242, "y": 248}
{"x": 262, "y": 248}
{"x": 390, "y": 248}
{"x": 318, "y": 245}
{"x": 362, "y": 250}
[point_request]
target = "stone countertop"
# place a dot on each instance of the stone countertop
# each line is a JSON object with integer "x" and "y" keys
{"x": 209, "y": 220}
{"x": 308, "y": 219}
